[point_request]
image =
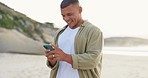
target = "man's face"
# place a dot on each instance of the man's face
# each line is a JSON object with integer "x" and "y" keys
{"x": 71, "y": 15}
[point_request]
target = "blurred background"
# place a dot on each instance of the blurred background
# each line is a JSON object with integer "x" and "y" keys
{"x": 26, "y": 25}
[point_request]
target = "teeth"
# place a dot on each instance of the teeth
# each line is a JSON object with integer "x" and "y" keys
{"x": 69, "y": 22}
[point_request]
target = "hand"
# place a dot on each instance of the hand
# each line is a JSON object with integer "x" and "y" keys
{"x": 58, "y": 55}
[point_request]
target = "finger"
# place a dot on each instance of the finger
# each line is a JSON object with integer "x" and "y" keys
{"x": 53, "y": 56}
{"x": 57, "y": 55}
{"x": 53, "y": 46}
{"x": 52, "y": 52}
{"x": 47, "y": 51}
{"x": 50, "y": 57}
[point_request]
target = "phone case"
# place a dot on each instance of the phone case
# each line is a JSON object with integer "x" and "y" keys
{"x": 48, "y": 47}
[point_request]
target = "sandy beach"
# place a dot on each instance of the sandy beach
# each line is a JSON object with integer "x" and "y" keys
{"x": 122, "y": 66}
{"x": 34, "y": 66}
{"x": 23, "y": 66}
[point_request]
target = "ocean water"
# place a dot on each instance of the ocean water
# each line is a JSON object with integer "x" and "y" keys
{"x": 134, "y": 51}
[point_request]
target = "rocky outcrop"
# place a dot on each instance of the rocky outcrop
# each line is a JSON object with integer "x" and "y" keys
{"x": 21, "y": 34}
{"x": 12, "y": 41}
{"x": 125, "y": 41}
{"x": 11, "y": 19}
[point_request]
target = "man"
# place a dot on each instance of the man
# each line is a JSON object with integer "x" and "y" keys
{"x": 77, "y": 46}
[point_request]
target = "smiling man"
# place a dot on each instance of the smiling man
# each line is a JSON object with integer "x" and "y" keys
{"x": 78, "y": 46}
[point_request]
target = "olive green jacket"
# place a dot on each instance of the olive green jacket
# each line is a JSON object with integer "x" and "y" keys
{"x": 88, "y": 52}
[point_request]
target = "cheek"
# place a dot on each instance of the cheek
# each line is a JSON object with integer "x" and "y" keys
{"x": 64, "y": 19}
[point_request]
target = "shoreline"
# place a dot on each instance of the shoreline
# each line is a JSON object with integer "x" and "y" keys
{"x": 128, "y": 51}
{"x": 125, "y": 53}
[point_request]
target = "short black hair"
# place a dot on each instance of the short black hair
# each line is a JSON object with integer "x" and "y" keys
{"x": 66, "y": 3}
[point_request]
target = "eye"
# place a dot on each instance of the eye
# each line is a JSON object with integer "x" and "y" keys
{"x": 69, "y": 14}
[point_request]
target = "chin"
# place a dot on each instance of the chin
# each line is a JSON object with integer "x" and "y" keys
{"x": 70, "y": 25}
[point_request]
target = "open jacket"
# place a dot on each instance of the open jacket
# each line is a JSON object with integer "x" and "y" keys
{"x": 88, "y": 51}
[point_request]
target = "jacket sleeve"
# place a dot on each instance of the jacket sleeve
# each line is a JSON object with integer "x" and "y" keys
{"x": 50, "y": 66}
{"x": 89, "y": 53}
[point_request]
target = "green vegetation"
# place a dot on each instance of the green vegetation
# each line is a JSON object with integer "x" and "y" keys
{"x": 11, "y": 19}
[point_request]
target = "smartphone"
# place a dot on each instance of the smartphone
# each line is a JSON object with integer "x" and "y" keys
{"x": 48, "y": 47}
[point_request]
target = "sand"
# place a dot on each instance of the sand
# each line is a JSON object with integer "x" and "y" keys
{"x": 122, "y": 66}
{"x": 34, "y": 66}
{"x": 23, "y": 66}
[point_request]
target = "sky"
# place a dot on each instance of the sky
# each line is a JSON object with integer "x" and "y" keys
{"x": 116, "y": 18}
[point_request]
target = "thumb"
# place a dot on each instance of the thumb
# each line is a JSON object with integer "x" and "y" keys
{"x": 54, "y": 46}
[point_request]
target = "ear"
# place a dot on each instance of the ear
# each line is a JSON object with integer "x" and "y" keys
{"x": 80, "y": 9}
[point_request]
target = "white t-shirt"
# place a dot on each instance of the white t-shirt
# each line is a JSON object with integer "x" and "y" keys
{"x": 66, "y": 43}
